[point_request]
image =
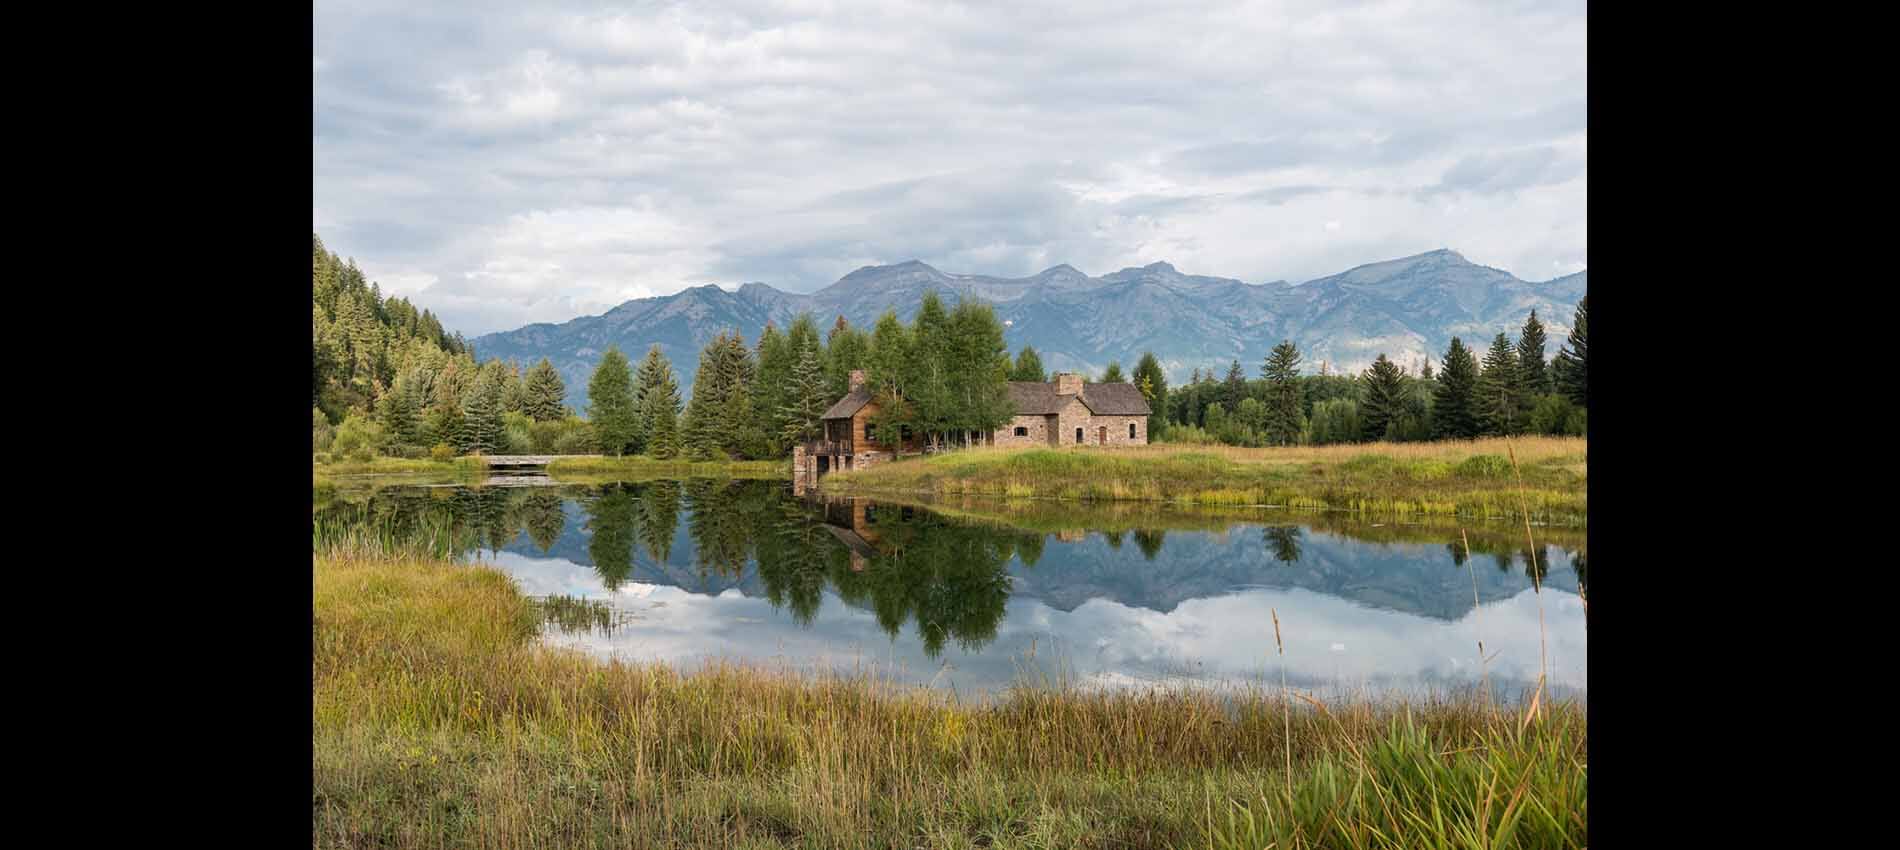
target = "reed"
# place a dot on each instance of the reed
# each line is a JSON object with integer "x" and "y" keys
{"x": 1461, "y": 479}
{"x": 439, "y": 720}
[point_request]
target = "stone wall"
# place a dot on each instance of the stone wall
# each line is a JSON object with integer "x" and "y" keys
{"x": 1074, "y": 415}
{"x": 1038, "y": 432}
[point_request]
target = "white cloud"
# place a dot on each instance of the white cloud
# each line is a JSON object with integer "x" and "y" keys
{"x": 790, "y": 142}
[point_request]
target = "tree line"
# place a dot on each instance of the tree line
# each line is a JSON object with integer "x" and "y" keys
{"x": 388, "y": 379}
{"x": 1513, "y": 389}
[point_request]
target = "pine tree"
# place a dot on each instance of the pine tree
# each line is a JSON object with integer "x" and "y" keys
{"x": 807, "y": 399}
{"x": 1234, "y": 388}
{"x": 1530, "y": 358}
{"x": 481, "y": 418}
{"x": 1285, "y": 408}
{"x": 1573, "y": 360}
{"x": 1384, "y": 397}
{"x": 543, "y": 393}
{"x": 659, "y": 398}
{"x": 1500, "y": 390}
{"x": 1114, "y": 373}
{"x": 610, "y": 403}
{"x": 1454, "y": 401}
{"x": 1028, "y": 367}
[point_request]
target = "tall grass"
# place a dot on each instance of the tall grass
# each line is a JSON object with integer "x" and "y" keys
{"x": 598, "y": 469}
{"x": 439, "y": 721}
{"x": 1464, "y": 479}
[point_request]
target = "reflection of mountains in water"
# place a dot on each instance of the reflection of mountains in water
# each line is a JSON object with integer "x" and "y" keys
{"x": 679, "y": 569}
{"x": 1414, "y": 578}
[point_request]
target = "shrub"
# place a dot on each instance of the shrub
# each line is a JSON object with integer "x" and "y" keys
{"x": 1485, "y": 466}
{"x": 407, "y": 451}
{"x": 517, "y": 434}
{"x": 1334, "y": 421}
{"x": 442, "y": 452}
{"x": 321, "y": 434}
{"x": 1551, "y": 414}
{"x": 1577, "y": 425}
{"x": 576, "y": 439}
{"x": 357, "y": 435}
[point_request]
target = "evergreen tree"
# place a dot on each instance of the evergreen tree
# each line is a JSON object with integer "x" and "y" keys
{"x": 1154, "y": 387}
{"x": 1530, "y": 358}
{"x": 1285, "y": 409}
{"x": 1454, "y": 401}
{"x": 1028, "y": 367}
{"x": 610, "y": 403}
{"x": 807, "y": 399}
{"x": 1573, "y": 361}
{"x": 543, "y": 393}
{"x": 775, "y": 361}
{"x": 481, "y": 418}
{"x": 1234, "y": 388}
{"x": 659, "y": 400}
{"x": 1385, "y": 397}
{"x": 1113, "y": 375}
{"x": 1500, "y": 390}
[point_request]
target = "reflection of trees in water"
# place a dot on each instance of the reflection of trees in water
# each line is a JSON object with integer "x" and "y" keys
{"x": 1284, "y": 540}
{"x": 541, "y": 514}
{"x": 1149, "y": 539}
{"x": 573, "y": 615}
{"x": 659, "y": 518}
{"x": 795, "y": 560}
{"x": 724, "y": 517}
{"x": 1029, "y": 548}
{"x": 1114, "y": 539}
{"x": 951, "y": 580}
{"x": 1458, "y": 552}
{"x": 611, "y": 517}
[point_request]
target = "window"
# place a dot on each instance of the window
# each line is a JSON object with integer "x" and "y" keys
{"x": 1078, "y": 436}
{"x": 1021, "y": 431}
{"x": 870, "y": 433}
{"x": 1131, "y": 430}
{"x": 903, "y": 433}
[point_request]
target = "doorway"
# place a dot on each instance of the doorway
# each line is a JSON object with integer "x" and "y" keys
{"x": 1101, "y": 436}
{"x": 1078, "y": 436}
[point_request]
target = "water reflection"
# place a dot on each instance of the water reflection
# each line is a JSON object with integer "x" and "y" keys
{"x": 959, "y": 594}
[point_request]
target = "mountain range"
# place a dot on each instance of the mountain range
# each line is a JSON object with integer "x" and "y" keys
{"x": 1408, "y": 308}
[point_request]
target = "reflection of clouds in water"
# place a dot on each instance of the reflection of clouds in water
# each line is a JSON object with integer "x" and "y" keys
{"x": 1228, "y": 636}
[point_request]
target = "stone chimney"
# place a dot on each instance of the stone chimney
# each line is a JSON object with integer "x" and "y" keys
{"x": 857, "y": 379}
{"x": 1068, "y": 383}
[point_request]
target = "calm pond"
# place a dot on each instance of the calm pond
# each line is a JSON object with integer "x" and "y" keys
{"x": 973, "y": 595}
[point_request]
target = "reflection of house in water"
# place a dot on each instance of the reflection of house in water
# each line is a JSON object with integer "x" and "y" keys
{"x": 854, "y": 523}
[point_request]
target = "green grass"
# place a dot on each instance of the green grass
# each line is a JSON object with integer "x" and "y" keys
{"x": 1449, "y": 480}
{"x": 439, "y": 721}
{"x": 601, "y": 470}
{"x": 420, "y": 470}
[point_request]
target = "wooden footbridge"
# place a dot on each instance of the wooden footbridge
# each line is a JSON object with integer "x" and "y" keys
{"x": 526, "y": 463}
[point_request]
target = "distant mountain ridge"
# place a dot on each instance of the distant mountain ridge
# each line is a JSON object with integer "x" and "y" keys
{"x": 1407, "y": 308}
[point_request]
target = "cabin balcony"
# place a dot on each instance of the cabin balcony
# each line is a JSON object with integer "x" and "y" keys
{"x": 828, "y": 448}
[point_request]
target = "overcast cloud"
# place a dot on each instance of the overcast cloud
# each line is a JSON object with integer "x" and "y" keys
{"x": 509, "y": 163}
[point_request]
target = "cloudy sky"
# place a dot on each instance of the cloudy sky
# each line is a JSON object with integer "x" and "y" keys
{"x": 509, "y": 163}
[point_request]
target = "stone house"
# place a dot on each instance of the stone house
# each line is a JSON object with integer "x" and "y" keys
{"x": 1062, "y": 412}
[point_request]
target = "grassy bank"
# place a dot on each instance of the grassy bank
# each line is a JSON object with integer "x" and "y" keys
{"x": 1049, "y": 516}
{"x": 601, "y": 470}
{"x": 437, "y": 720}
{"x": 1463, "y": 479}
{"x": 324, "y": 472}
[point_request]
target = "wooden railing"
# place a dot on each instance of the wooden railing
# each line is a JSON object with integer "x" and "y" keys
{"x": 828, "y": 447}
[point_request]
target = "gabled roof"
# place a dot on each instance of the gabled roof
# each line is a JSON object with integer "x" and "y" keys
{"x": 1115, "y": 399}
{"x": 848, "y": 406}
{"x": 1034, "y": 398}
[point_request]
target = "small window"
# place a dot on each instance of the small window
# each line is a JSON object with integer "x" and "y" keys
{"x": 903, "y": 433}
{"x": 1078, "y": 436}
{"x": 1131, "y": 430}
{"x": 1021, "y": 431}
{"x": 870, "y": 433}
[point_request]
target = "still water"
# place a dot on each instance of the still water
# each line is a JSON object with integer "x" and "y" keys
{"x": 973, "y": 595}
